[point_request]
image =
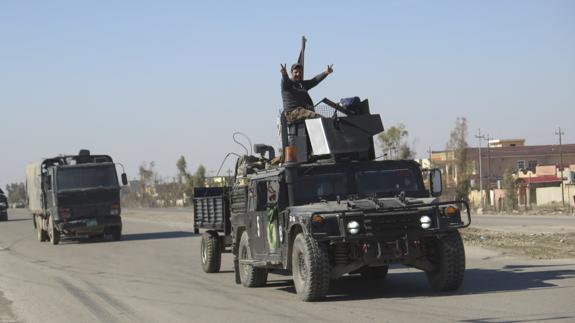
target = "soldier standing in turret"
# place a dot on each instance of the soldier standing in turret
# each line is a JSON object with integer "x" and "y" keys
{"x": 296, "y": 100}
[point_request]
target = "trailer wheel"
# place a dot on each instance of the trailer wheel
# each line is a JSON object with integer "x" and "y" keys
{"x": 310, "y": 268}
{"x": 448, "y": 254}
{"x": 40, "y": 233}
{"x": 374, "y": 273}
{"x": 211, "y": 252}
{"x": 53, "y": 232}
{"x": 249, "y": 275}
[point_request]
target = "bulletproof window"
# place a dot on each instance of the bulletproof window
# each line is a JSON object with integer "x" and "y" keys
{"x": 262, "y": 196}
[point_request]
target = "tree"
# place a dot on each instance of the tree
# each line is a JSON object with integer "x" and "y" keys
{"x": 16, "y": 193}
{"x": 147, "y": 173}
{"x": 200, "y": 176}
{"x": 458, "y": 144}
{"x": 510, "y": 200}
{"x": 393, "y": 142}
{"x": 182, "y": 166}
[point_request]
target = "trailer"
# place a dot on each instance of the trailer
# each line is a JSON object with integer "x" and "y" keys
{"x": 212, "y": 217}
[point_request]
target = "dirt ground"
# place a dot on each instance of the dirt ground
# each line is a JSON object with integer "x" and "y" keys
{"x": 533, "y": 245}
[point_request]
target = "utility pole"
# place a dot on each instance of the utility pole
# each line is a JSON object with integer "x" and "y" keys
{"x": 429, "y": 152}
{"x": 561, "y": 133}
{"x": 489, "y": 167}
{"x": 480, "y": 137}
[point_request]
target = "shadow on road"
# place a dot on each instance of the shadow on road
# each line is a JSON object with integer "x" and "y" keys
{"x": 157, "y": 235}
{"x": 414, "y": 284}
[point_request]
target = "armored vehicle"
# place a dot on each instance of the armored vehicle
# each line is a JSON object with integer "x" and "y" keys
{"x": 75, "y": 195}
{"x": 3, "y": 206}
{"x": 332, "y": 209}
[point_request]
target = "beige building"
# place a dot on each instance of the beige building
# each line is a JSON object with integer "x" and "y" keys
{"x": 502, "y": 155}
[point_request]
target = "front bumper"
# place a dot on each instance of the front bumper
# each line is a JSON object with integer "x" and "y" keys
{"x": 91, "y": 225}
{"x": 391, "y": 224}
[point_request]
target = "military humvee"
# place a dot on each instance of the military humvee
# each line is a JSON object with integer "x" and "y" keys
{"x": 331, "y": 209}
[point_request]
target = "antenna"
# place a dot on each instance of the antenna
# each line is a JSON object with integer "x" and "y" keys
{"x": 250, "y": 152}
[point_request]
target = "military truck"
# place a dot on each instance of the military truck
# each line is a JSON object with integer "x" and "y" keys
{"x": 332, "y": 209}
{"x": 75, "y": 195}
{"x": 3, "y": 206}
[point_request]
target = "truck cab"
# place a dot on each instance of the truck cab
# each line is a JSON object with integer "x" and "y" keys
{"x": 3, "y": 206}
{"x": 75, "y": 195}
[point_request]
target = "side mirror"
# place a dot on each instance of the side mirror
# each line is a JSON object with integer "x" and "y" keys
{"x": 435, "y": 182}
{"x": 124, "y": 179}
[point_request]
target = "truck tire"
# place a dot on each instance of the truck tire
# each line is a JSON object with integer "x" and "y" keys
{"x": 374, "y": 273}
{"x": 211, "y": 252}
{"x": 310, "y": 268}
{"x": 40, "y": 233}
{"x": 4, "y": 217}
{"x": 117, "y": 233}
{"x": 53, "y": 232}
{"x": 249, "y": 275}
{"x": 448, "y": 254}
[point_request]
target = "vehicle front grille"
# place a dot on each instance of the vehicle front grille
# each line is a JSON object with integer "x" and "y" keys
{"x": 393, "y": 222}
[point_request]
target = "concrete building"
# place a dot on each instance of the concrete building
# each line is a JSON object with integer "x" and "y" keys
{"x": 501, "y": 155}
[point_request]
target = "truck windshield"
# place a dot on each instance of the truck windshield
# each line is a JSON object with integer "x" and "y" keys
{"x": 311, "y": 188}
{"x": 82, "y": 177}
{"x": 386, "y": 182}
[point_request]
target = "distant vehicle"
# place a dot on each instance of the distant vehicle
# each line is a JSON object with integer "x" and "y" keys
{"x": 75, "y": 195}
{"x": 3, "y": 207}
{"x": 331, "y": 209}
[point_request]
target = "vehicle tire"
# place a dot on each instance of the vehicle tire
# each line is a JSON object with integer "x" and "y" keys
{"x": 374, "y": 273}
{"x": 40, "y": 233}
{"x": 448, "y": 254}
{"x": 117, "y": 233}
{"x": 53, "y": 232}
{"x": 4, "y": 217}
{"x": 211, "y": 252}
{"x": 249, "y": 275}
{"x": 310, "y": 268}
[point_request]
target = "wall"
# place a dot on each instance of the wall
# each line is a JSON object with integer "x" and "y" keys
{"x": 546, "y": 195}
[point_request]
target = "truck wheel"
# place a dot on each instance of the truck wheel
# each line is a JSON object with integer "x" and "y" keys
{"x": 117, "y": 233}
{"x": 4, "y": 217}
{"x": 53, "y": 232}
{"x": 211, "y": 252}
{"x": 448, "y": 254}
{"x": 310, "y": 268}
{"x": 40, "y": 233}
{"x": 374, "y": 273}
{"x": 250, "y": 275}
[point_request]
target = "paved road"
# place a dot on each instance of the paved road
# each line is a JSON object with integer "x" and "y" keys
{"x": 154, "y": 275}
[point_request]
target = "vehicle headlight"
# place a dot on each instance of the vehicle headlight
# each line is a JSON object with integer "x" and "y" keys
{"x": 425, "y": 222}
{"x": 2, "y": 204}
{"x": 115, "y": 209}
{"x": 353, "y": 227}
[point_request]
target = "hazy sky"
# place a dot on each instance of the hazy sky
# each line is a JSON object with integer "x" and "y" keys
{"x": 154, "y": 80}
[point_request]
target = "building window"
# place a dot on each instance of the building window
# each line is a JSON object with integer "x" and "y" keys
{"x": 532, "y": 165}
{"x": 520, "y": 164}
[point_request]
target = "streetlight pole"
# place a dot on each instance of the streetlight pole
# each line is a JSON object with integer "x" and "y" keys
{"x": 479, "y": 137}
{"x": 561, "y": 133}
